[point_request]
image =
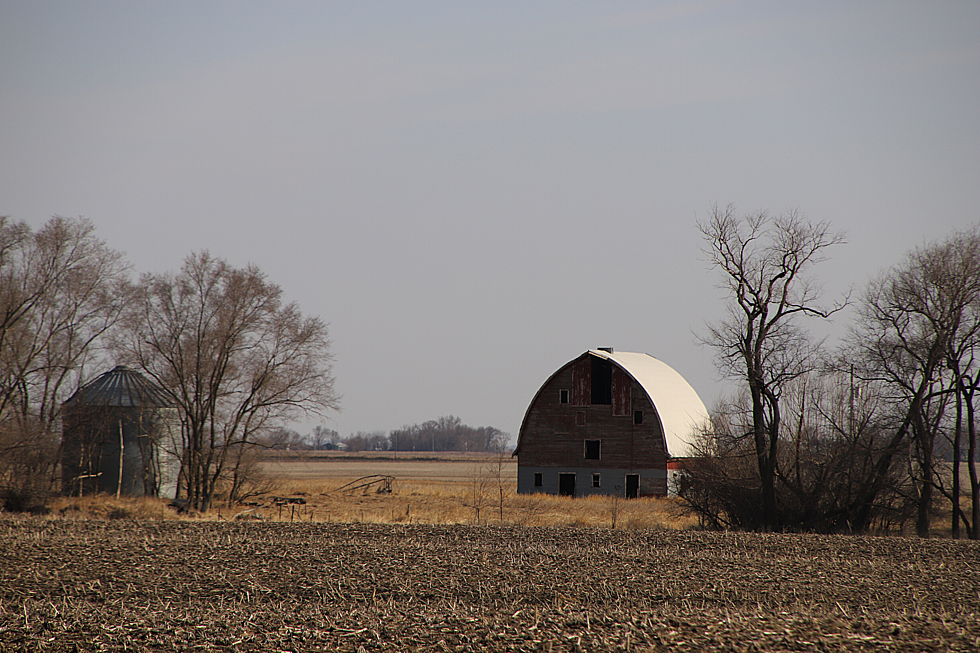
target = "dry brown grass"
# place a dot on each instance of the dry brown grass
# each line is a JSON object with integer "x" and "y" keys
{"x": 444, "y": 490}
{"x": 105, "y": 506}
{"x": 465, "y": 502}
{"x": 435, "y": 489}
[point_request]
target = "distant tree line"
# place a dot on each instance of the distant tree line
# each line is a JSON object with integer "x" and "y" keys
{"x": 444, "y": 434}
{"x": 447, "y": 434}
{"x": 867, "y": 436}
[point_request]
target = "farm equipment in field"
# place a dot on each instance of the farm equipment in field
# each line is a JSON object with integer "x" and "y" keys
{"x": 380, "y": 482}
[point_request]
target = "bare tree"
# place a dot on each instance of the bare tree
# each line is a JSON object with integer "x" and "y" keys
{"x": 237, "y": 361}
{"x": 917, "y": 335}
{"x": 448, "y": 433}
{"x": 367, "y": 441}
{"x": 491, "y": 439}
{"x": 962, "y": 355}
{"x": 763, "y": 260}
{"x": 965, "y": 367}
{"x": 830, "y": 442}
{"x": 496, "y": 472}
{"x": 482, "y": 483}
{"x": 323, "y": 438}
{"x": 246, "y": 479}
{"x": 60, "y": 292}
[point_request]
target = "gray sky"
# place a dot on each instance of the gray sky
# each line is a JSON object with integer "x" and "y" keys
{"x": 473, "y": 194}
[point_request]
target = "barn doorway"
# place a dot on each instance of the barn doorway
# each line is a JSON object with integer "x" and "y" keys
{"x": 632, "y": 486}
{"x": 566, "y": 484}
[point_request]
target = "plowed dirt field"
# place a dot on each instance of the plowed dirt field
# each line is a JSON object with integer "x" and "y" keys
{"x": 120, "y": 585}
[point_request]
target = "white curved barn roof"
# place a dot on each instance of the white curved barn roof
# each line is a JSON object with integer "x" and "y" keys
{"x": 680, "y": 408}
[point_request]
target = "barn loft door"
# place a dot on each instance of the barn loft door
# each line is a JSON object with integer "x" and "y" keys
{"x": 621, "y": 392}
{"x": 602, "y": 371}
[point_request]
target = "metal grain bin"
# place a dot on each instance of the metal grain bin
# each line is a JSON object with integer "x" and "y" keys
{"x": 121, "y": 436}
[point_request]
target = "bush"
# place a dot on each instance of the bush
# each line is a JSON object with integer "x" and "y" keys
{"x": 21, "y": 500}
{"x": 28, "y": 461}
{"x": 820, "y": 492}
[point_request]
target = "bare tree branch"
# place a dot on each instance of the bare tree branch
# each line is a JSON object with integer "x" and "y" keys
{"x": 236, "y": 360}
{"x": 763, "y": 261}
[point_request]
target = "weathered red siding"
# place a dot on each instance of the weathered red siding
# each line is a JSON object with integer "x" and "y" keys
{"x": 550, "y": 436}
{"x": 582, "y": 382}
{"x": 621, "y": 393}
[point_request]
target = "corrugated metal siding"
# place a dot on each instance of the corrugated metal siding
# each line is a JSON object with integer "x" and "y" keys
{"x": 121, "y": 386}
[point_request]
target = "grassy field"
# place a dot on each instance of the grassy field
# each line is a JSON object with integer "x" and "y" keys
{"x": 425, "y": 488}
{"x": 437, "y": 489}
{"x": 444, "y": 489}
{"x": 438, "y": 466}
{"x": 151, "y": 585}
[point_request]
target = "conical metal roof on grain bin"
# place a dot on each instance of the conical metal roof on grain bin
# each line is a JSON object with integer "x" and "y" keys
{"x": 120, "y": 386}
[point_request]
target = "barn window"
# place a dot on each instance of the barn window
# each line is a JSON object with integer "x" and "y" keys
{"x": 637, "y": 416}
{"x": 580, "y": 418}
{"x": 601, "y": 381}
{"x": 563, "y": 396}
{"x": 595, "y": 480}
{"x": 592, "y": 449}
{"x": 538, "y": 479}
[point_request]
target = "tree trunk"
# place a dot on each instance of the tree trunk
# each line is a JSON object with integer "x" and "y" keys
{"x": 971, "y": 434}
{"x": 119, "y": 484}
{"x": 957, "y": 439}
{"x": 924, "y": 508}
{"x": 765, "y": 448}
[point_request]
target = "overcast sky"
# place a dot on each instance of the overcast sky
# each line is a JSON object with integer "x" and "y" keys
{"x": 473, "y": 194}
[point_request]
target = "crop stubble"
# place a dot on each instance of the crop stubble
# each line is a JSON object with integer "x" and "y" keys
{"x": 148, "y": 586}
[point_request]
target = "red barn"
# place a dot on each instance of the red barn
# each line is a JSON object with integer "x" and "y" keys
{"x": 607, "y": 423}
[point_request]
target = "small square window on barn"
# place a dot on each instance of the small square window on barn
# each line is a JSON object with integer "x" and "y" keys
{"x": 580, "y": 418}
{"x": 595, "y": 480}
{"x": 637, "y": 416}
{"x": 538, "y": 479}
{"x": 592, "y": 449}
{"x": 563, "y": 396}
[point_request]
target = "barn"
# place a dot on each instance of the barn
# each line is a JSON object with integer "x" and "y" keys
{"x": 607, "y": 423}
